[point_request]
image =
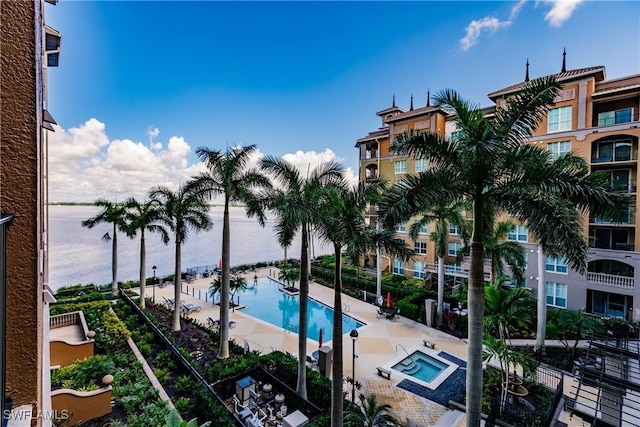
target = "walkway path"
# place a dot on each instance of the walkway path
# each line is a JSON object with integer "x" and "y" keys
{"x": 379, "y": 341}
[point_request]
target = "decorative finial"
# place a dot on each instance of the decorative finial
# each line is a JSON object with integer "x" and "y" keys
{"x": 564, "y": 61}
{"x": 526, "y": 76}
{"x": 428, "y": 98}
{"x": 411, "y": 106}
{"x": 394, "y": 101}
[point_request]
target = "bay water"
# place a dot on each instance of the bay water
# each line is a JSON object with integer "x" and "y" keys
{"x": 78, "y": 254}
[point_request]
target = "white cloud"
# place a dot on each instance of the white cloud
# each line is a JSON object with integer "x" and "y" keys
{"x": 85, "y": 165}
{"x": 477, "y": 27}
{"x": 515, "y": 10}
{"x": 561, "y": 11}
{"x": 308, "y": 160}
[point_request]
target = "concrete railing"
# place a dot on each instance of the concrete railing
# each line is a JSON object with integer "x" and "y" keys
{"x": 64, "y": 352}
{"x": 614, "y": 280}
{"x": 81, "y": 406}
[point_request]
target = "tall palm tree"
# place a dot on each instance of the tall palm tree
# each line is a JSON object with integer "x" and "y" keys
{"x": 112, "y": 213}
{"x": 492, "y": 166}
{"x": 370, "y": 414}
{"x": 228, "y": 176}
{"x": 143, "y": 216}
{"x": 507, "y": 307}
{"x": 442, "y": 214}
{"x": 294, "y": 200}
{"x": 342, "y": 223}
{"x": 182, "y": 211}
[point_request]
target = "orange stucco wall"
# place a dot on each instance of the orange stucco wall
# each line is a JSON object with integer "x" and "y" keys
{"x": 20, "y": 114}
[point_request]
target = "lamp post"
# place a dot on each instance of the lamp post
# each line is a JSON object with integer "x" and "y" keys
{"x": 354, "y": 338}
{"x": 154, "y": 283}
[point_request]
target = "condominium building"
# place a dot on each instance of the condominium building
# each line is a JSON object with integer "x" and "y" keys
{"x": 594, "y": 117}
{"x": 28, "y": 47}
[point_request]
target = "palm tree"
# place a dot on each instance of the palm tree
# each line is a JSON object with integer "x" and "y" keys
{"x": 443, "y": 213}
{"x": 182, "y": 211}
{"x": 370, "y": 414}
{"x": 343, "y": 224}
{"x": 174, "y": 420}
{"x": 237, "y": 282}
{"x": 294, "y": 200}
{"x": 143, "y": 216}
{"x": 112, "y": 213}
{"x": 507, "y": 307}
{"x": 500, "y": 250}
{"x": 289, "y": 275}
{"x": 567, "y": 324}
{"x": 228, "y": 176}
{"x": 492, "y": 166}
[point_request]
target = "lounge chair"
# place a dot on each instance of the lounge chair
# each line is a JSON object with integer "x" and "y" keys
{"x": 391, "y": 315}
{"x": 215, "y": 324}
{"x": 190, "y": 308}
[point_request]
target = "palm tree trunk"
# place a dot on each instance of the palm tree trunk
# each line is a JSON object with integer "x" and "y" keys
{"x": 337, "y": 398}
{"x": 440, "y": 292}
{"x": 143, "y": 266}
{"x": 542, "y": 302}
{"x": 301, "y": 387}
{"x": 177, "y": 283}
{"x": 114, "y": 262}
{"x": 476, "y": 314}
{"x": 225, "y": 288}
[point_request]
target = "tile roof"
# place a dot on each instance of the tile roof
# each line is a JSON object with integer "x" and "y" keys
{"x": 567, "y": 75}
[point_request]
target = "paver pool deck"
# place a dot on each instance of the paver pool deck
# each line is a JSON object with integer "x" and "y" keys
{"x": 379, "y": 341}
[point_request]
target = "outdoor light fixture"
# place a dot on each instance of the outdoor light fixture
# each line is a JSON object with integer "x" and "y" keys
{"x": 154, "y": 283}
{"x": 354, "y": 337}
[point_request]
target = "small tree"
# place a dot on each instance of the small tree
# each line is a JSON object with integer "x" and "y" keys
{"x": 369, "y": 413}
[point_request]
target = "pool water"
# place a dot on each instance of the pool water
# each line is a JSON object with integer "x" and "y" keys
{"x": 266, "y": 302}
{"x": 421, "y": 366}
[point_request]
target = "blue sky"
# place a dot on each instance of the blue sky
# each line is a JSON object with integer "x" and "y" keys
{"x": 142, "y": 84}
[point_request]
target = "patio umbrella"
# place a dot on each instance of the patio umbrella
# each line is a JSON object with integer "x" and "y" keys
{"x": 320, "y": 338}
{"x": 220, "y": 264}
{"x": 388, "y": 299}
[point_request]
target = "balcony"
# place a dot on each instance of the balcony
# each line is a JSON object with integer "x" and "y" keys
{"x": 613, "y": 280}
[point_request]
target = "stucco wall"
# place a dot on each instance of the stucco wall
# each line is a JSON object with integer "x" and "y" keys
{"x": 20, "y": 112}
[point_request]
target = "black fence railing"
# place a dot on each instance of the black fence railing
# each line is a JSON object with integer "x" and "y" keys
{"x": 185, "y": 364}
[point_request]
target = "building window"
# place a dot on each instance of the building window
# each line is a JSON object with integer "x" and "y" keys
{"x": 454, "y": 248}
{"x": 453, "y": 269}
{"x": 423, "y": 229}
{"x": 421, "y": 165}
{"x": 421, "y": 247}
{"x": 557, "y": 294}
{"x": 518, "y": 233}
{"x": 558, "y": 149}
{"x": 400, "y": 166}
{"x": 419, "y": 269}
{"x": 609, "y": 118}
{"x": 557, "y": 265}
{"x": 401, "y": 228}
{"x": 613, "y": 151}
{"x": 559, "y": 119}
{"x": 398, "y": 266}
{"x": 453, "y": 229}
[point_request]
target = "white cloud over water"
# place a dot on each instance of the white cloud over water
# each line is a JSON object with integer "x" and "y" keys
{"x": 84, "y": 164}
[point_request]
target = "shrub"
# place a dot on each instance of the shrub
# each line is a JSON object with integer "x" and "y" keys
{"x": 164, "y": 360}
{"x": 184, "y": 385}
{"x": 116, "y": 328}
{"x": 183, "y": 405}
{"x": 145, "y": 349}
{"x": 162, "y": 374}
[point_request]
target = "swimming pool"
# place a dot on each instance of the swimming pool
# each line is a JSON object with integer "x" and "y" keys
{"x": 427, "y": 369}
{"x": 266, "y": 302}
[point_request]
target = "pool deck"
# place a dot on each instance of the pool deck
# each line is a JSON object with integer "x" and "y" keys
{"x": 379, "y": 341}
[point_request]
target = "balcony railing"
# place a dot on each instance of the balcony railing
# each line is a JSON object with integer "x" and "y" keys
{"x": 613, "y": 280}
